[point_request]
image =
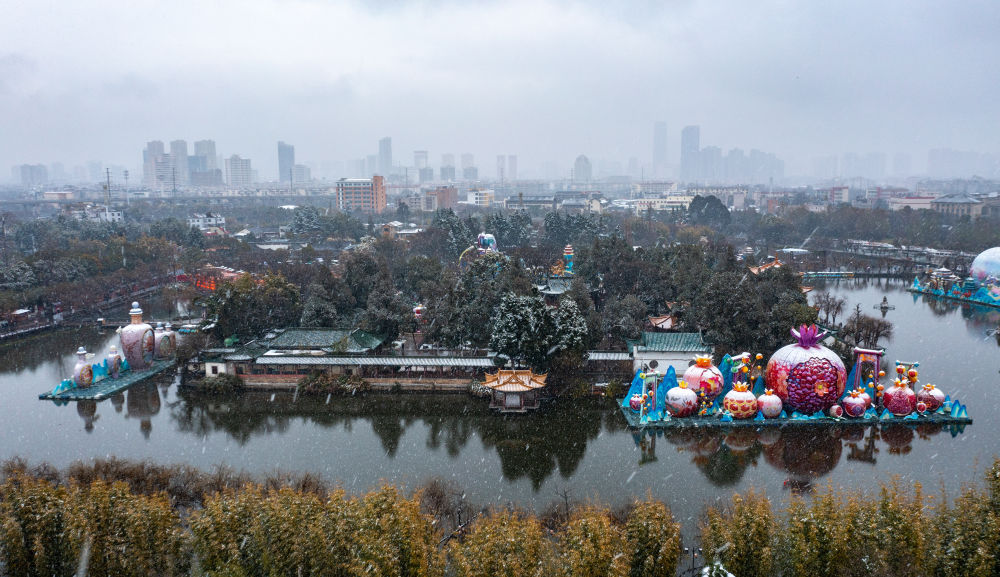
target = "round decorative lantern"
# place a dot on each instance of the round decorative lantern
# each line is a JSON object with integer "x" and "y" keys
{"x": 83, "y": 373}
{"x": 769, "y": 404}
{"x": 137, "y": 340}
{"x": 704, "y": 377}
{"x": 806, "y": 375}
{"x": 931, "y": 396}
{"x": 740, "y": 402}
{"x": 854, "y": 404}
{"x": 899, "y": 399}
{"x": 114, "y": 363}
{"x": 635, "y": 402}
{"x": 835, "y": 411}
{"x": 681, "y": 401}
{"x": 163, "y": 339}
{"x": 866, "y": 397}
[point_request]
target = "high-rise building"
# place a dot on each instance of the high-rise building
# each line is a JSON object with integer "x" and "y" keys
{"x": 181, "y": 173}
{"x": 447, "y": 167}
{"x": 660, "y": 160}
{"x": 286, "y": 161}
{"x": 301, "y": 174}
{"x": 31, "y": 174}
{"x": 582, "y": 170}
{"x": 361, "y": 194}
{"x": 239, "y": 174}
{"x": 691, "y": 153}
{"x": 385, "y": 156}
{"x": 152, "y": 159}
{"x": 206, "y": 149}
{"x": 501, "y": 167}
{"x": 511, "y": 167}
{"x": 420, "y": 159}
{"x": 469, "y": 170}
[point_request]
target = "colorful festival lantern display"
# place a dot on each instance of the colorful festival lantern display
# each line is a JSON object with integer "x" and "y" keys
{"x": 83, "y": 372}
{"x": 769, "y": 404}
{"x": 704, "y": 378}
{"x": 164, "y": 342}
{"x": 137, "y": 340}
{"x": 808, "y": 377}
{"x": 681, "y": 400}
{"x": 740, "y": 402}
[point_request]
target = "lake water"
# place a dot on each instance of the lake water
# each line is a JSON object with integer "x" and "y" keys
{"x": 581, "y": 447}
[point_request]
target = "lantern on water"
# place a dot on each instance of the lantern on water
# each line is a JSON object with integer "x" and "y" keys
{"x": 681, "y": 401}
{"x": 704, "y": 377}
{"x": 137, "y": 340}
{"x": 740, "y": 402}
{"x": 807, "y": 376}
{"x": 769, "y": 404}
{"x": 83, "y": 373}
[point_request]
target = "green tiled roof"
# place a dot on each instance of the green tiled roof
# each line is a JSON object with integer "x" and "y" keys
{"x": 673, "y": 343}
{"x": 347, "y": 341}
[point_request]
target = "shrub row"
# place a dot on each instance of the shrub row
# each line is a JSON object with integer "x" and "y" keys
{"x": 297, "y": 527}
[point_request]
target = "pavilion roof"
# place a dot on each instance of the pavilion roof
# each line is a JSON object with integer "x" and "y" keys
{"x": 515, "y": 381}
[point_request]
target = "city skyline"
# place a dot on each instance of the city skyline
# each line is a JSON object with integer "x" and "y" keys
{"x": 543, "y": 80}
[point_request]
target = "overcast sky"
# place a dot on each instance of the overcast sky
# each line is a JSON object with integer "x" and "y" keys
{"x": 544, "y": 79}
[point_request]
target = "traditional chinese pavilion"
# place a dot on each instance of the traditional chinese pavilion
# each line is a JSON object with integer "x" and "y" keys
{"x": 514, "y": 391}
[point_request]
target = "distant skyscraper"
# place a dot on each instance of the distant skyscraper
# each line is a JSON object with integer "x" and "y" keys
{"x": 301, "y": 174}
{"x": 152, "y": 160}
{"x": 469, "y": 170}
{"x": 582, "y": 171}
{"x": 206, "y": 149}
{"x": 690, "y": 153}
{"x": 239, "y": 174}
{"x": 660, "y": 160}
{"x": 420, "y": 159}
{"x": 179, "y": 152}
{"x": 511, "y": 167}
{"x": 501, "y": 167}
{"x": 447, "y": 167}
{"x": 31, "y": 174}
{"x": 448, "y": 159}
{"x": 286, "y": 161}
{"x": 385, "y": 156}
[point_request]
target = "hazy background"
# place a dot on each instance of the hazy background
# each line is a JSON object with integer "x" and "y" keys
{"x": 542, "y": 79}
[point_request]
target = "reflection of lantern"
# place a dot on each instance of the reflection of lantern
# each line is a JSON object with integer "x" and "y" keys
{"x": 137, "y": 340}
{"x": 681, "y": 401}
{"x": 931, "y": 396}
{"x": 805, "y": 453}
{"x": 899, "y": 399}
{"x": 806, "y": 375}
{"x": 741, "y": 439}
{"x": 83, "y": 373}
{"x": 769, "y": 404}
{"x": 705, "y": 377}
{"x": 898, "y": 437}
{"x": 740, "y": 402}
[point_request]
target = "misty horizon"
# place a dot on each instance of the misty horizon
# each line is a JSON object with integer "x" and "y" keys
{"x": 545, "y": 81}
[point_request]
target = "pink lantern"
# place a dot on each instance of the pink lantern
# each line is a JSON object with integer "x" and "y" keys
{"x": 806, "y": 375}
{"x": 681, "y": 401}
{"x": 137, "y": 340}
{"x": 854, "y": 404}
{"x": 83, "y": 373}
{"x": 899, "y": 399}
{"x": 769, "y": 404}
{"x": 704, "y": 377}
{"x": 931, "y": 396}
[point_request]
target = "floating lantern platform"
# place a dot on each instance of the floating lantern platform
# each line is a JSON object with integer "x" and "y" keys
{"x": 107, "y": 387}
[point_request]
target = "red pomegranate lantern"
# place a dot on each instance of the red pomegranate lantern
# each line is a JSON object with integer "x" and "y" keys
{"x": 769, "y": 404}
{"x": 704, "y": 377}
{"x": 740, "y": 402}
{"x": 899, "y": 399}
{"x": 931, "y": 396}
{"x": 681, "y": 401}
{"x": 635, "y": 402}
{"x": 806, "y": 375}
{"x": 854, "y": 404}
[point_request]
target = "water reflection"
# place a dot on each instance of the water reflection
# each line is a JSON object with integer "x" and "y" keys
{"x": 804, "y": 453}
{"x": 142, "y": 401}
{"x": 529, "y": 447}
